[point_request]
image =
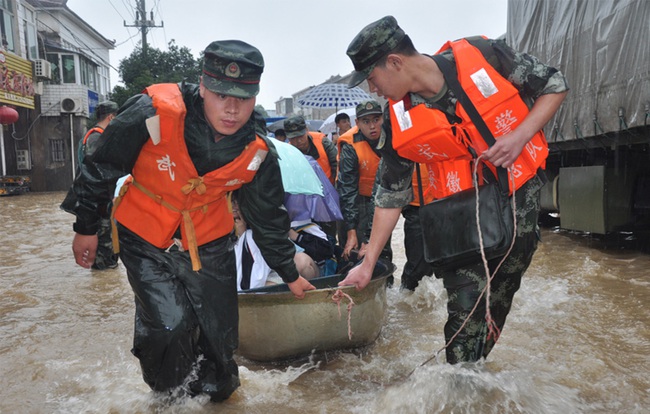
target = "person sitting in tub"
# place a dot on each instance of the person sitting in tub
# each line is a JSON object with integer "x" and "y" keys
{"x": 252, "y": 270}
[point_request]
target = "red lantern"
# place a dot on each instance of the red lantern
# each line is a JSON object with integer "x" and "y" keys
{"x": 8, "y": 115}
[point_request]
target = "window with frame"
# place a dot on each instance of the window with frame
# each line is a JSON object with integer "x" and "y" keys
{"x": 31, "y": 42}
{"x": 63, "y": 68}
{"x": 103, "y": 81}
{"x": 57, "y": 150}
{"x": 7, "y": 25}
{"x": 88, "y": 71}
{"x": 68, "y": 69}
{"x": 53, "y": 58}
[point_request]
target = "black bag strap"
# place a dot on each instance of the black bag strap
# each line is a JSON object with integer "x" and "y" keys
{"x": 420, "y": 193}
{"x": 451, "y": 76}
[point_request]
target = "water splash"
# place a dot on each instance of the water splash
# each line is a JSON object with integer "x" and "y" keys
{"x": 475, "y": 389}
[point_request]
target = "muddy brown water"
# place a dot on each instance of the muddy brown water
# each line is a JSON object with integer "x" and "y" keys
{"x": 576, "y": 341}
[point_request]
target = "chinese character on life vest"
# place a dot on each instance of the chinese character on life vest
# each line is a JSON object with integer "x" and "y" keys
{"x": 166, "y": 164}
{"x": 533, "y": 150}
{"x": 503, "y": 123}
{"x": 453, "y": 182}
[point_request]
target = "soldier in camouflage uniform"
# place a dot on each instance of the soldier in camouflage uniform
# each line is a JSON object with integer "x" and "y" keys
{"x": 384, "y": 55}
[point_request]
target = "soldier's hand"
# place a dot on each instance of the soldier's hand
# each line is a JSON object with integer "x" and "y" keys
{"x": 359, "y": 276}
{"x": 362, "y": 250}
{"x": 506, "y": 150}
{"x": 351, "y": 244}
{"x": 300, "y": 286}
{"x": 84, "y": 249}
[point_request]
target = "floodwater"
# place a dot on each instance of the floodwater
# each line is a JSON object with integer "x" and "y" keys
{"x": 576, "y": 341}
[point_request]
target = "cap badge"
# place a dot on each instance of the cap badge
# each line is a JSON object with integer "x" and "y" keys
{"x": 369, "y": 106}
{"x": 232, "y": 70}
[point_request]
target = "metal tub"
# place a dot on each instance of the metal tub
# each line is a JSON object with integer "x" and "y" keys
{"x": 274, "y": 325}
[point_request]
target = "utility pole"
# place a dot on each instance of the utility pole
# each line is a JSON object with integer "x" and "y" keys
{"x": 143, "y": 24}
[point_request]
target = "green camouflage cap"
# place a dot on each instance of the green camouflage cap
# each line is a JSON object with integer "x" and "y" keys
{"x": 371, "y": 44}
{"x": 295, "y": 126}
{"x": 105, "y": 108}
{"x": 232, "y": 67}
{"x": 368, "y": 108}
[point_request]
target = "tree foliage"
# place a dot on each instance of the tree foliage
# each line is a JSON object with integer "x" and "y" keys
{"x": 140, "y": 70}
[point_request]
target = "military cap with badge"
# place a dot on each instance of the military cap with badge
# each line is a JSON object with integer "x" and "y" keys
{"x": 232, "y": 67}
{"x": 370, "y": 107}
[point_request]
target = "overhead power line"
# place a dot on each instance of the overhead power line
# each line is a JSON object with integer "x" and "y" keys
{"x": 142, "y": 23}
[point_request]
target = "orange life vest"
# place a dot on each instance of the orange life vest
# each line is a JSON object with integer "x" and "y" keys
{"x": 90, "y": 131}
{"x": 368, "y": 160}
{"x": 167, "y": 191}
{"x": 323, "y": 160}
{"x": 425, "y": 135}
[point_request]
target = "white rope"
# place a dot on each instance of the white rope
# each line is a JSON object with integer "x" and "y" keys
{"x": 493, "y": 330}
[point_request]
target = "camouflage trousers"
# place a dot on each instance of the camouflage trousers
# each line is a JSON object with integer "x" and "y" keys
{"x": 464, "y": 285}
{"x": 105, "y": 258}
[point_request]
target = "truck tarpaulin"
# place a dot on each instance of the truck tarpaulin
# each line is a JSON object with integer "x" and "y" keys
{"x": 602, "y": 48}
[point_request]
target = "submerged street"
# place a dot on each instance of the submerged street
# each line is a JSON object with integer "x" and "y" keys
{"x": 576, "y": 341}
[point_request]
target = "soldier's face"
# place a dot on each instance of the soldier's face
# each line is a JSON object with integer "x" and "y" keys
{"x": 370, "y": 126}
{"x": 227, "y": 114}
{"x": 388, "y": 80}
{"x": 301, "y": 142}
{"x": 344, "y": 126}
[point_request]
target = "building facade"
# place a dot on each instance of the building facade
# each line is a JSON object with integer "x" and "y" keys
{"x": 18, "y": 92}
{"x": 56, "y": 70}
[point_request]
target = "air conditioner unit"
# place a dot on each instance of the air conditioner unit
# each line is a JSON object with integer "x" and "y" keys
{"x": 70, "y": 105}
{"x": 43, "y": 69}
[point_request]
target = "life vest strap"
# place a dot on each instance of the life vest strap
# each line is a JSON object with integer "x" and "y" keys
{"x": 194, "y": 184}
{"x": 116, "y": 203}
{"x": 185, "y": 213}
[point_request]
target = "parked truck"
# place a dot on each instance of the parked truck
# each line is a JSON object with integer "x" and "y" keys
{"x": 599, "y": 141}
